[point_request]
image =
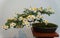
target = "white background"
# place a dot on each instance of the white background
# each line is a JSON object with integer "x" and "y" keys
{"x": 8, "y": 8}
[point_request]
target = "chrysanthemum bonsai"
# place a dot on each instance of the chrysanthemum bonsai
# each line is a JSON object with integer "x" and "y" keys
{"x": 31, "y": 17}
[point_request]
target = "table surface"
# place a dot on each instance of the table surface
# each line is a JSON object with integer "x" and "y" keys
{"x": 38, "y": 34}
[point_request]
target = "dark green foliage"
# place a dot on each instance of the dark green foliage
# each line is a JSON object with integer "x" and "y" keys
{"x": 25, "y": 14}
{"x": 43, "y": 25}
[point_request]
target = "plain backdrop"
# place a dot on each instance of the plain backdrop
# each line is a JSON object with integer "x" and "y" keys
{"x": 9, "y": 8}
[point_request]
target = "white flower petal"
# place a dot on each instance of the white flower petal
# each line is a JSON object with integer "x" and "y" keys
{"x": 5, "y": 27}
{"x": 20, "y": 18}
{"x": 12, "y": 24}
{"x": 25, "y": 20}
{"x": 45, "y": 21}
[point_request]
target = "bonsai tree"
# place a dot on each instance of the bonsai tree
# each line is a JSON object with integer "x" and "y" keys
{"x": 30, "y": 16}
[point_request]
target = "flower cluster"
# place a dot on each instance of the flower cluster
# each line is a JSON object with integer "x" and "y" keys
{"x": 29, "y": 16}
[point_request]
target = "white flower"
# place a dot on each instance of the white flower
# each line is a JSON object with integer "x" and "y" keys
{"x": 38, "y": 17}
{"x": 12, "y": 24}
{"x": 25, "y": 20}
{"x": 30, "y": 8}
{"x": 49, "y": 9}
{"x": 31, "y": 17}
{"x": 45, "y": 21}
{"x": 39, "y": 13}
{"x": 12, "y": 19}
{"x": 41, "y": 9}
{"x": 5, "y": 27}
{"x": 31, "y": 22}
{"x": 36, "y": 21}
{"x": 26, "y": 23}
{"x": 33, "y": 9}
{"x": 20, "y": 18}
